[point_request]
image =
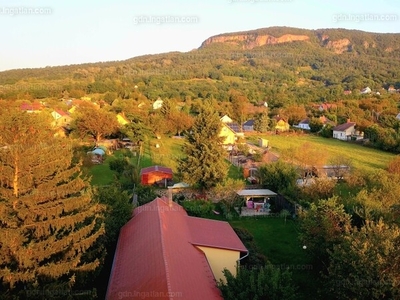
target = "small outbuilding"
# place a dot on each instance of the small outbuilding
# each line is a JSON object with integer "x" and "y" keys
{"x": 154, "y": 174}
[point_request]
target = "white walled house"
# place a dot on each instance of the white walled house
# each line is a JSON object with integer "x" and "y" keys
{"x": 158, "y": 103}
{"x": 304, "y": 124}
{"x": 344, "y": 131}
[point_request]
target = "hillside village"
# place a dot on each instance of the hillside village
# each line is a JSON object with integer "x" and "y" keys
{"x": 221, "y": 181}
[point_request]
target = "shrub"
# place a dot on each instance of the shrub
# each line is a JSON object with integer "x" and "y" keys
{"x": 198, "y": 208}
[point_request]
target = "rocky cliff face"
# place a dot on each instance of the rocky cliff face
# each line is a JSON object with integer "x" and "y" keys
{"x": 250, "y": 41}
{"x": 336, "y": 40}
{"x": 339, "y": 46}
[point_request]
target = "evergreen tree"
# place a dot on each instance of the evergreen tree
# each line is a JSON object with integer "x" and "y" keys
{"x": 261, "y": 123}
{"x": 204, "y": 163}
{"x": 49, "y": 226}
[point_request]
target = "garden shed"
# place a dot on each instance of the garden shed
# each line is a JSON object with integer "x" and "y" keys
{"x": 154, "y": 174}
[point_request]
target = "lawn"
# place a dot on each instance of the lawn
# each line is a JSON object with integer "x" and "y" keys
{"x": 101, "y": 174}
{"x": 169, "y": 150}
{"x": 167, "y": 153}
{"x": 363, "y": 158}
{"x": 235, "y": 172}
{"x": 279, "y": 242}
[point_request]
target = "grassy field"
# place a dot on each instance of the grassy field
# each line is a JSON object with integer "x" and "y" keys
{"x": 279, "y": 242}
{"x": 167, "y": 154}
{"x": 101, "y": 174}
{"x": 363, "y": 158}
{"x": 169, "y": 150}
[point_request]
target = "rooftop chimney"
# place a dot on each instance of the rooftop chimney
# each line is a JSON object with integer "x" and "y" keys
{"x": 169, "y": 197}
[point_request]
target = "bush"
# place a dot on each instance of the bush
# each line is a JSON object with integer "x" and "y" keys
{"x": 227, "y": 209}
{"x": 255, "y": 259}
{"x": 198, "y": 208}
{"x": 267, "y": 282}
{"x": 146, "y": 194}
{"x": 118, "y": 165}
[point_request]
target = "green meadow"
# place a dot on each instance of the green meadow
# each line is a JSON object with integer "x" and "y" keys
{"x": 362, "y": 157}
{"x": 166, "y": 152}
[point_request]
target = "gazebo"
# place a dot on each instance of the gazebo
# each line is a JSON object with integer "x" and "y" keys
{"x": 256, "y": 200}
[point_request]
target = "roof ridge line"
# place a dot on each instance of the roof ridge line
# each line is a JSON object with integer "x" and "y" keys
{"x": 163, "y": 251}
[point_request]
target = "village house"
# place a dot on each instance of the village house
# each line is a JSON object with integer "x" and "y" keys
{"x": 228, "y": 135}
{"x": 226, "y": 119}
{"x": 35, "y": 107}
{"x": 281, "y": 124}
{"x": 165, "y": 251}
{"x": 305, "y": 123}
{"x": 344, "y": 131}
{"x": 325, "y": 106}
{"x": 366, "y": 90}
{"x": 60, "y": 118}
{"x": 248, "y": 125}
{"x": 158, "y": 103}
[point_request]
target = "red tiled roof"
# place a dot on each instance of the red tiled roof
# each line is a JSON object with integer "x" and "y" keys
{"x": 215, "y": 234}
{"x": 31, "y": 106}
{"x": 344, "y": 126}
{"x": 61, "y": 112}
{"x": 155, "y": 169}
{"x": 156, "y": 254}
{"x": 278, "y": 118}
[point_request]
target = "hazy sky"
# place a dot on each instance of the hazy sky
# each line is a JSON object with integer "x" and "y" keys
{"x": 39, "y": 33}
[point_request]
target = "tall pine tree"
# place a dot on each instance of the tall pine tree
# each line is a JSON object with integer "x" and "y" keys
{"x": 50, "y": 226}
{"x": 262, "y": 123}
{"x": 204, "y": 164}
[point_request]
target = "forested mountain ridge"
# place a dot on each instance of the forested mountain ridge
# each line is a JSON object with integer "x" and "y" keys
{"x": 338, "y": 40}
{"x": 319, "y": 66}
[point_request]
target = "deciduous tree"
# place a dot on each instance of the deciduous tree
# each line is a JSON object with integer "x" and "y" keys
{"x": 366, "y": 264}
{"x": 95, "y": 122}
{"x": 394, "y": 165}
{"x": 278, "y": 176}
{"x": 322, "y": 226}
{"x": 315, "y": 125}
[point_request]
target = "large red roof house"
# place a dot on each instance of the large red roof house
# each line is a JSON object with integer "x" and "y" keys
{"x": 164, "y": 253}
